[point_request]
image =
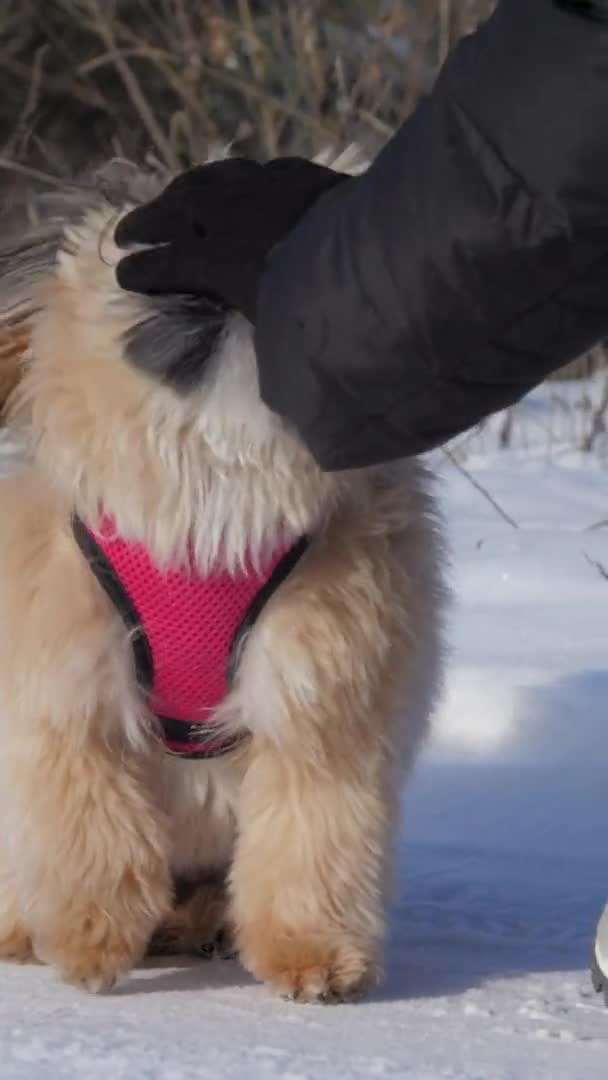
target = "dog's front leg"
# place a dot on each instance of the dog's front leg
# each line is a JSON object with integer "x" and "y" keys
{"x": 317, "y": 807}
{"x": 85, "y": 871}
{"x": 308, "y": 877}
{"x": 15, "y": 941}
{"x": 89, "y": 855}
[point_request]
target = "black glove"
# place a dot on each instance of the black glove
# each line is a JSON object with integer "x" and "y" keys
{"x": 215, "y": 226}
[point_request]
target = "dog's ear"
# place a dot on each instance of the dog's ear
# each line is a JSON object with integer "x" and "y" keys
{"x": 24, "y": 264}
{"x": 175, "y": 338}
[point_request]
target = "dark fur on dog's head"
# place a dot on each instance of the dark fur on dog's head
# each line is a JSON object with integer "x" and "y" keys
{"x": 176, "y": 338}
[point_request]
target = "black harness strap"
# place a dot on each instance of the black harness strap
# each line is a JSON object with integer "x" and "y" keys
{"x": 280, "y": 574}
{"x": 115, "y": 590}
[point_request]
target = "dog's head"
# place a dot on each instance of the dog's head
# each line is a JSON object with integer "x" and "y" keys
{"x": 194, "y": 459}
{"x": 154, "y": 450}
{"x": 88, "y": 337}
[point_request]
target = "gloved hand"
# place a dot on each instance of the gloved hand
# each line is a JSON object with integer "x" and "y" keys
{"x": 215, "y": 225}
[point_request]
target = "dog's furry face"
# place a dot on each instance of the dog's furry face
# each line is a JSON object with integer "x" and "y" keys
{"x": 196, "y": 342}
{"x": 209, "y": 386}
{"x": 106, "y": 432}
{"x": 207, "y": 351}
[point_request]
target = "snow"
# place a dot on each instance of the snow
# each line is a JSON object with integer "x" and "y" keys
{"x": 502, "y": 867}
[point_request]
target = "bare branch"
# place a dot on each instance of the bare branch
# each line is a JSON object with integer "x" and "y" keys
{"x": 133, "y": 88}
{"x": 601, "y": 569}
{"x": 36, "y": 174}
{"x": 480, "y": 488}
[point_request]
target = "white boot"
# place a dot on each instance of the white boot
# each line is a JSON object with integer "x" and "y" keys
{"x": 599, "y": 972}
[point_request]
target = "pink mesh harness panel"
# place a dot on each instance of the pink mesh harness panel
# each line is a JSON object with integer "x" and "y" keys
{"x": 185, "y": 628}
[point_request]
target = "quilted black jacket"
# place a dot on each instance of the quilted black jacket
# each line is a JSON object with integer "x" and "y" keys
{"x": 468, "y": 263}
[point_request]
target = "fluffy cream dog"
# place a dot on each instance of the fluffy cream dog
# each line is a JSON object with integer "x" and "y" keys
{"x": 284, "y": 833}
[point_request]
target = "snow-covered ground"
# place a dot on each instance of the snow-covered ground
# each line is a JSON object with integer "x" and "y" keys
{"x": 504, "y": 857}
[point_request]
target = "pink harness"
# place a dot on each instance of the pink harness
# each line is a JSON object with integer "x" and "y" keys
{"x": 185, "y": 629}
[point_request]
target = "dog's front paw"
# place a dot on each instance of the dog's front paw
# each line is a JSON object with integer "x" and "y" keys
{"x": 91, "y": 949}
{"x": 324, "y": 968}
{"x": 16, "y": 945}
{"x": 15, "y": 939}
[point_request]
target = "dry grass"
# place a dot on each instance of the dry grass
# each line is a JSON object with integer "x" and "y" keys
{"x": 86, "y": 78}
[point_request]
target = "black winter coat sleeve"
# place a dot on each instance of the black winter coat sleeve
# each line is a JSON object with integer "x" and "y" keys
{"x": 468, "y": 263}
